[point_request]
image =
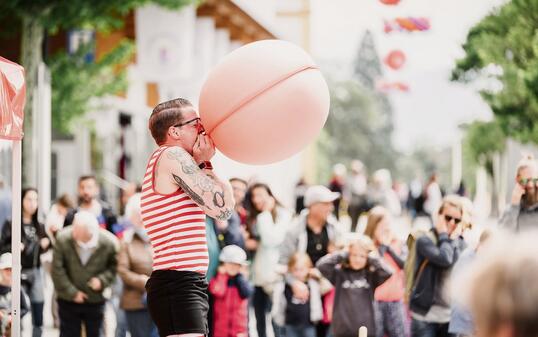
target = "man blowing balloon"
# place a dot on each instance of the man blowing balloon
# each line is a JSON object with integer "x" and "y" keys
{"x": 178, "y": 191}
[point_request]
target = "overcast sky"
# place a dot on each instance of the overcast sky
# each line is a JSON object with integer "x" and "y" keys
{"x": 434, "y": 107}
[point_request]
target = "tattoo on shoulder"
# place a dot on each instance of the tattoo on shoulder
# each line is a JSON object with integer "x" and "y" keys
{"x": 224, "y": 215}
{"x": 188, "y": 166}
{"x": 185, "y": 187}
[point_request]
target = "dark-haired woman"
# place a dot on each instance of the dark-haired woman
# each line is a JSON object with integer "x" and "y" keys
{"x": 34, "y": 242}
{"x": 269, "y": 222}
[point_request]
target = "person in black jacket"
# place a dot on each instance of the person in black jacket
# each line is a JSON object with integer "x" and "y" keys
{"x": 435, "y": 256}
{"x": 34, "y": 242}
{"x": 88, "y": 192}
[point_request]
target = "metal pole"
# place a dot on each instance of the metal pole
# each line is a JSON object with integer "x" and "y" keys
{"x": 43, "y": 120}
{"x": 16, "y": 239}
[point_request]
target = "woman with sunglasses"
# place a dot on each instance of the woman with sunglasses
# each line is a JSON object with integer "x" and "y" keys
{"x": 435, "y": 256}
{"x": 522, "y": 213}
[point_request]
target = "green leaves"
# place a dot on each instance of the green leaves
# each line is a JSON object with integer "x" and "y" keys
{"x": 101, "y": 15}
{"x": 507, "y": 38}
{"x": 75, "y": 82}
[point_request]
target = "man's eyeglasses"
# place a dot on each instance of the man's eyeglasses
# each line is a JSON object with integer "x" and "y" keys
{"x": 525, "y": 181}
{"x": 197, "y": 120}
{"x": 449, "y": 218}
{"x": 198, "y": 124}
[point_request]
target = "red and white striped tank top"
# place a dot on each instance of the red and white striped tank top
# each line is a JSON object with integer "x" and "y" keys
{"x": 175, "y": 225}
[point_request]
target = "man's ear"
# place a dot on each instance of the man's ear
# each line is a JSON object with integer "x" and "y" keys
{"x": 173, "y": 132}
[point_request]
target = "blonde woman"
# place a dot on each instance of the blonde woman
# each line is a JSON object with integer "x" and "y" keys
{"x": 389, "y": 296}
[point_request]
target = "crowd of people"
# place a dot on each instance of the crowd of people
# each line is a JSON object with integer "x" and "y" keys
{"x": 295, "y": 273}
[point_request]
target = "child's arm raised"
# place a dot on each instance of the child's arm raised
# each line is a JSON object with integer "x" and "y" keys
{"x": 327, "y": 264}
{"x": 378, "y": 270}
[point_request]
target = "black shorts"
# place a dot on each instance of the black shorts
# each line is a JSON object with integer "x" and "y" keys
{"x": 178, "y": 302}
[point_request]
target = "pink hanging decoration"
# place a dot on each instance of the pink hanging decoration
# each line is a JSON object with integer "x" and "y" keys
{"x": 12, "y": 99}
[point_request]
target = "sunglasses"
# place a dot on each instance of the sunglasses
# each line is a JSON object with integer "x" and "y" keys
{"x": 525, "y": 181}
{"x": 449, "y": 218}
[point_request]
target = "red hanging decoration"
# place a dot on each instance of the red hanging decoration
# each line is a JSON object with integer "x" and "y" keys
{"x": 390, "y": 2}
{"x": 395, "y": 59}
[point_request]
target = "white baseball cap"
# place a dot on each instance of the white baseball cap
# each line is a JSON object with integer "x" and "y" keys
{"x": 319, "y": 193}
{"x": 5, "y": 261}
{"x": 233, "y": 254}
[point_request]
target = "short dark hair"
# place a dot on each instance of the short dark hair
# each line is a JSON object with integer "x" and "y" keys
{"x": 243, "y": 181}
{"x": 65, "y": 201}
{"x": 165, "y": 115}
{"x": 87, "y": 177}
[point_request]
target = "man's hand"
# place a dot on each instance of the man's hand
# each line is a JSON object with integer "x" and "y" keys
{"x": 80, "y": 297}
{"x": 300, "y": 291}
{"x": 203, "y": 149}
{"x": 517, "y": 194}
{"x": 95, "y": 284}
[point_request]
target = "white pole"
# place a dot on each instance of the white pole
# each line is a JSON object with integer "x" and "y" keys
{"x": 363, "y": 331}
{"x": 44, "y": 133}
{"x": 16, "y": 239}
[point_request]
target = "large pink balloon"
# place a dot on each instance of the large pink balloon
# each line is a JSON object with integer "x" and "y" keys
{"x": 264, "y": 102}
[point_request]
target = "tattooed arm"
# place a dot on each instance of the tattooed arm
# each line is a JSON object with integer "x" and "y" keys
{"x": 211, "y": 193}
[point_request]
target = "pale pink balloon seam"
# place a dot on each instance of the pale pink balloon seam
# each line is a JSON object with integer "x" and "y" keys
{"x": 253, "y": 96}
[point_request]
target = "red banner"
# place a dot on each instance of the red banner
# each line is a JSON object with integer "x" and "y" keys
{"x": 12, "y": 99}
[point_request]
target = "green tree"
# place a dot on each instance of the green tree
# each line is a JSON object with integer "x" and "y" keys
{"x": 367, "y": 68}
{"x": 355, "y": 129}
{"x": 503, "y": 47}
{"x": 36, "y": 17}
{"x": 75, "y": 82}
{"x": 484, "y": 140}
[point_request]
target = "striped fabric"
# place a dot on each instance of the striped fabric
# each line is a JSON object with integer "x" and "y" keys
{"x": 175, "y": 225}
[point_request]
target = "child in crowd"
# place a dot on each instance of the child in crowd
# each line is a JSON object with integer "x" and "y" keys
{"x": 391, "y": 321}
{"x": 297, "y": 315}
{"x": 355, "y": 274}
{"x": 6, "y": 296}
{"x": 230, "y": 290}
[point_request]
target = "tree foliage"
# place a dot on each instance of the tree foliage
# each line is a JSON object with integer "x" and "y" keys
{"x": 483, "y": 140}
{"x": 503, "y": 47}
{"x": 101, "y": 15}
{"x": 356, "y": 128}
{"x": 75, "y": 81}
